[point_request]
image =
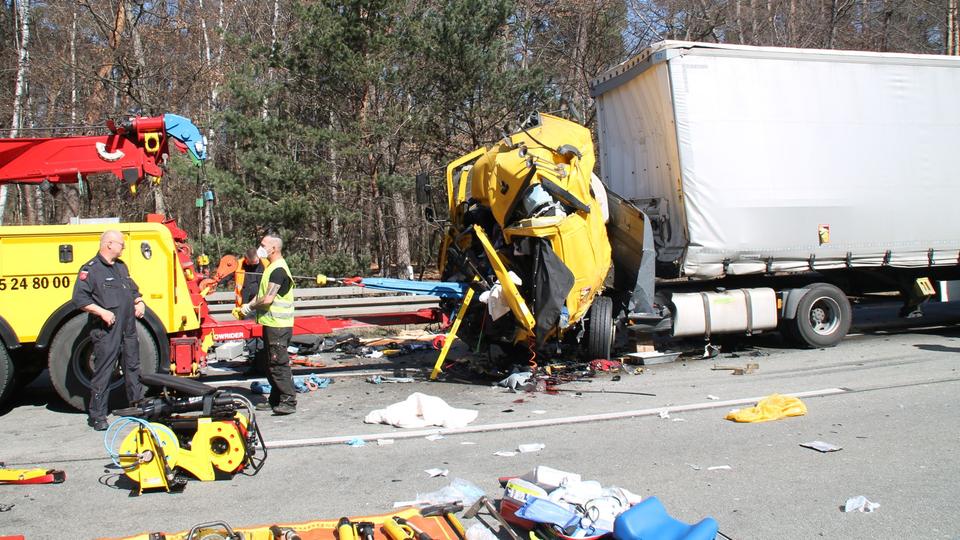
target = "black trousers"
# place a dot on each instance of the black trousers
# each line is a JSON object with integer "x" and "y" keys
{"x": 278, "y": 366}
{"x": 111, "y": 343}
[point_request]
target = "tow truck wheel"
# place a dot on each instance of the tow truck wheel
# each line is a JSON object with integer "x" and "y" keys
{"x": 823, "y": 317}
{"x": 6, "y": 374}
{"x": 600, "y": 329}
{"x": 71, "y": 363}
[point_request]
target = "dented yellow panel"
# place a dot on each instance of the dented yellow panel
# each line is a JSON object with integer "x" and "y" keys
{"x": 34, "y": 283}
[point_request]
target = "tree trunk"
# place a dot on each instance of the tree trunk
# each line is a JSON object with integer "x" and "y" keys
{"x": 20, "y": 88}
{"x": 273, "y": 45}
{"x": 403, "y": 238}
{"x": 739, "y": 16}
{"x": 953, "y": 29}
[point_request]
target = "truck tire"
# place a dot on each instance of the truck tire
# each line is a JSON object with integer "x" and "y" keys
{"x": 823, "y": 317}
{"x": 6, "y": 374}
{"x": 71, "y": 363}
{"x": 600, "y": 329}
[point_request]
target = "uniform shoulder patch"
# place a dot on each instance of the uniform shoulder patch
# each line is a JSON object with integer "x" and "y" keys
{"x": 83, "y": 275}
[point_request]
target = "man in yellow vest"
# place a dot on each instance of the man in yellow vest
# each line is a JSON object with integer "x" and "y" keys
{"x": 274, "y": 308}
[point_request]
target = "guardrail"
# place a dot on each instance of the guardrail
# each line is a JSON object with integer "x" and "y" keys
{"x": 335, "y": 302}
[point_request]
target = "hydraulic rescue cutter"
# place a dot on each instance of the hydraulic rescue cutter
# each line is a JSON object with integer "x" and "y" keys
{"x": 192, "y": 428}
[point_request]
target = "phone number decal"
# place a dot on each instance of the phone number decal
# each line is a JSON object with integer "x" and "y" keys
{"x": 38, "y": 282}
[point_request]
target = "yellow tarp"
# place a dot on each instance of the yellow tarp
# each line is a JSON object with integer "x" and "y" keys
{"x": 772, "y": 407}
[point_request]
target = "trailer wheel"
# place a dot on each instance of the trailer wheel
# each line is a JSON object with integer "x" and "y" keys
{"x": 823, "y": 317}
{"x": 6, "y": 374}
{"x": 71, "y": 363}
{"x": 600, "y": 329}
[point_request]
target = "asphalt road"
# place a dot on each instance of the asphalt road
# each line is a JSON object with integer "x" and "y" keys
{"x": 886, "y": 395}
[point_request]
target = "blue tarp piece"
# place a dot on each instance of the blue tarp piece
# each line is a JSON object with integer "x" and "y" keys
{"x": 443, "y": 289}
{"x": 183, "y": 130}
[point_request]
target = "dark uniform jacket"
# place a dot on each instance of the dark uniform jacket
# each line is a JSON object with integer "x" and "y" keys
{"x": 108, "y": 286}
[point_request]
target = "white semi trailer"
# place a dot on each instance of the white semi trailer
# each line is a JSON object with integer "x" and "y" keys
{"x": 756, "y": 188}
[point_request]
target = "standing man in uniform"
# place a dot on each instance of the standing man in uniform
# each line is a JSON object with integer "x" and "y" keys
{"x": 274, "y": 308}
{"x": 112, "y": 299}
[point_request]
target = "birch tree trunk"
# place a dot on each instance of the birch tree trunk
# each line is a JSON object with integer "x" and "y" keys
{"x": 20, "y": 88}
{"x": 273, "y": 44}
{"x": 70, "y": 195}
{"x": 953, "y": 29}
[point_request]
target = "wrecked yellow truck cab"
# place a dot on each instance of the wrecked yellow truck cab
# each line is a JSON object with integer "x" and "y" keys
{"x": 527, "y": 226}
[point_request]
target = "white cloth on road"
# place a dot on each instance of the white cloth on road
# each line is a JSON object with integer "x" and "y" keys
{"x": 420, "y": 410}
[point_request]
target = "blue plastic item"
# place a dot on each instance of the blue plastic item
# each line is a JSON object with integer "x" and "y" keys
{"x": 546, "y": 511}
{"x": 443, "y": 289}
{"x": 649, "y": 520}
{"x": 260, "y": 387}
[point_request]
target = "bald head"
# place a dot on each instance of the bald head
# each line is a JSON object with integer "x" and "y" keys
{"x": 272, "y": 245}
{"x": 111, "y": 245}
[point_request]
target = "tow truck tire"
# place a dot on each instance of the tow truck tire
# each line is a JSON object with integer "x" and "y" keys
{"x": 71, "y": 363}
{"x": 6, "y": 374}
{"x": 600, "y": 329}
{"x": 823, "y": 317}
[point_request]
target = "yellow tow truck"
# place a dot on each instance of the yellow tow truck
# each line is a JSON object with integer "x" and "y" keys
{"x": 39, "y": 326}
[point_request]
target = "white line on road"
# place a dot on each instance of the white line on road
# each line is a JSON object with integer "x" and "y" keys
{"x": 341, "y": 439}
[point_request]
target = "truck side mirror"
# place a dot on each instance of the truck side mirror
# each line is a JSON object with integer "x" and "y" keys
{"x": 423, "y": 188}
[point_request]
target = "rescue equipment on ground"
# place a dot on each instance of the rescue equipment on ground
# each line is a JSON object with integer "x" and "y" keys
{"x": 166, "y": 443}
{"x": 31, "y": 476}
{"x": 433, "y": 523}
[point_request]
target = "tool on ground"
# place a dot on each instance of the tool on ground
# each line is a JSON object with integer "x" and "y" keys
{"x": 283, "y": 533}
{"x": 31, "y": 476}
{"x": 345, "y": 530}
{"x": 485, "y": 503}
{"x": 218, "y": 530}
{"x": 447, "y": 511}
{"x": 416, "y": 532}
{"x": 166, "y": 442}
{"x": 737, "y": 370}
{"x": 365, "y": 530}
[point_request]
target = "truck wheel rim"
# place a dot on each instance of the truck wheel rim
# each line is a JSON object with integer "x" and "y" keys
{"x": 81, "y": 364}
{"x": 824, "y": 316}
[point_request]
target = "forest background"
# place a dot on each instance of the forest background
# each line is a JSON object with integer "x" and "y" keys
{"x": 319, "y": 114}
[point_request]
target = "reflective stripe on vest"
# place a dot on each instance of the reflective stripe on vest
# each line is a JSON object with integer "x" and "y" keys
{"x": 238, "y": 278}
{"x": 280, "y": 312}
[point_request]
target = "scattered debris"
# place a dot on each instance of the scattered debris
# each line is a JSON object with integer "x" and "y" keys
{"x": 678, "y": 419}
{"x": 505, "y": 453}
{"x": 531, "y": 447}
{"x": 821, "y": 446}
{"x": 356, "y": 442}
{"x": 468, "y": 443}
{"x": 737, "y": 370}
{"x": 710, "y": 350}
{"x": 720, "y": 468}
{"x": 539, "y": 411}
{"x": 772, "y": 407}
{"x": 6, "y": 507}
{"x": 384, "y": 442}
{"x": 380, "y": 379}
{"x": 434, "y": 437}
{"x": 517, "y": 381}
{"x": 665, "y": 414}
{"x": 437, "y": 472}
{"x": 651, "y": 358}
{"x": 860, "y": 504}
{"x": 694, "y": 467}
{"x": 712, "y": 397}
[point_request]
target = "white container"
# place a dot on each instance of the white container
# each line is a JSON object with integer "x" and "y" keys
{"x": 763, "y": 159}
{"x": 739, "y": 310}
{"x": 549, "y": 478}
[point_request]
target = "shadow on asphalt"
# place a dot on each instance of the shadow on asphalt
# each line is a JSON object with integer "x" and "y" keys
{"x": 937, "y": 348}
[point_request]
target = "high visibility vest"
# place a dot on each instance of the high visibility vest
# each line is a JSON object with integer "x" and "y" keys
{"x": 279, "y": 314}
{"x": 238, "y": 276}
